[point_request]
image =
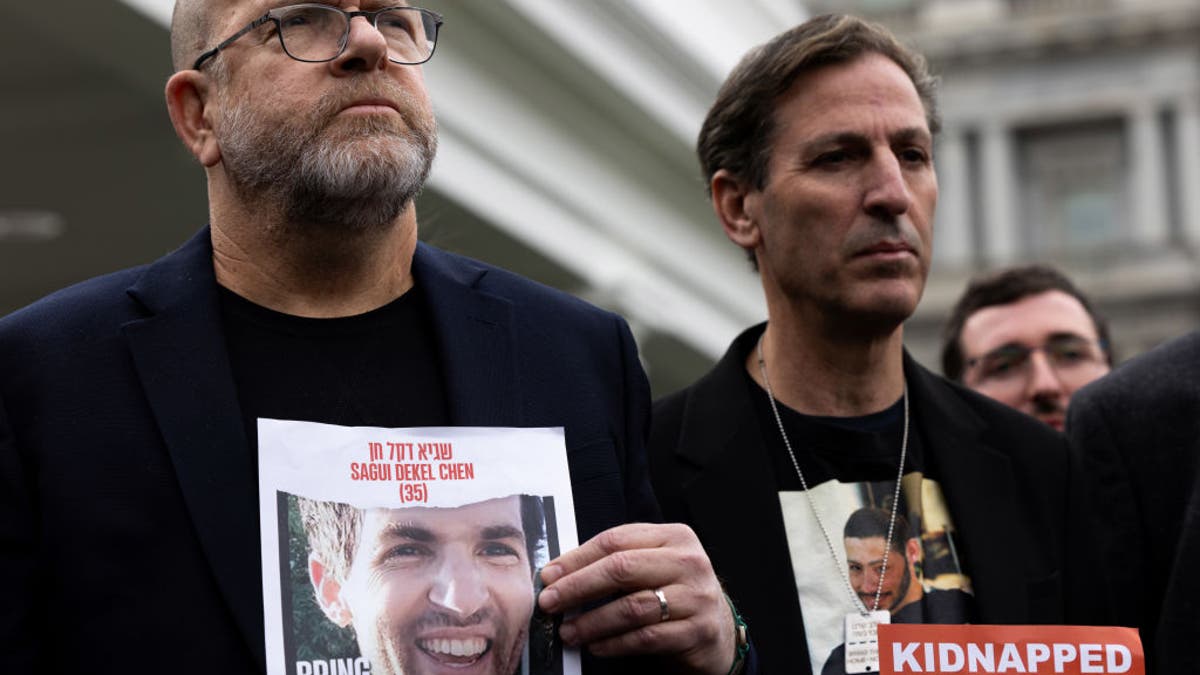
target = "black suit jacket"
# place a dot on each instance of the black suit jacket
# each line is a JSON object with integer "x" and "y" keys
{"x": 1137, "y": 431}
{"x": 1004, "y": 476}
{"x": 129, "y": 536}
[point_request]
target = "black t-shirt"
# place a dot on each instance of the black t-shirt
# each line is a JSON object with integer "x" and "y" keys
{"x": 850, "y": 466}
{"x": 380, "y": 368}
{"x": 846, "y": 449}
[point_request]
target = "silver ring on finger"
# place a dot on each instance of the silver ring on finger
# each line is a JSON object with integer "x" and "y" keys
{"x": 664, "y": 610}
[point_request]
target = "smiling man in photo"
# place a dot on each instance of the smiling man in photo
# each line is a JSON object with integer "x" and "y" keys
{"x": 428, "y": 590}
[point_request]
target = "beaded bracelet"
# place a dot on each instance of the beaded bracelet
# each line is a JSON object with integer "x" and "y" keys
{"x": 741, "y": 638}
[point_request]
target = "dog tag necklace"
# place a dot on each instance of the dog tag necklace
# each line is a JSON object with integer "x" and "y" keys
{"x": 861, "y": 636}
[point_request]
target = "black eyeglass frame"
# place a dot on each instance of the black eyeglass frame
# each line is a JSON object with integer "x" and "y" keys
{"x": 1027, "y": 352}
{"x": 371, "y": 16}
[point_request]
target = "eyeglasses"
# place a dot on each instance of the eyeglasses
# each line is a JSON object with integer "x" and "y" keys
{"x": 315, "y": 33}
{"x": 1067, "y": 355}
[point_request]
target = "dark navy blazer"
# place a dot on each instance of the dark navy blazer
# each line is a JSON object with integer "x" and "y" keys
{"x": 129, "y": 534}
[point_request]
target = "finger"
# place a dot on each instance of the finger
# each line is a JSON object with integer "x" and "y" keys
{"x": 667, "y": 637}
{"x": 628, "y": 613}
{"x": 620, "y": 538}
{"x": 619, "y": 572}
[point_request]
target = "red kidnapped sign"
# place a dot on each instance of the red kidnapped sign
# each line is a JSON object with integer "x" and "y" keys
{"x": 1065, "y": 650}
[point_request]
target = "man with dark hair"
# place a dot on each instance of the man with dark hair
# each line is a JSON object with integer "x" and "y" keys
{"x": 1027, "y": 337}
{"x": 129, "y": 403}
{"x": 428, "y": 588}
{"x": 740, "y": 130}
{"x": 898, "y": 585}
{"x": 818, "y": 156}
{"x": 866, "y": 538}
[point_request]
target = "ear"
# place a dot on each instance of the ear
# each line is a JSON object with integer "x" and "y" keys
{"x": 913, "y": 550}
{"x": 328, "y": 590}
{"x": 734, "y": 203}
{"x": 188, "y": 93}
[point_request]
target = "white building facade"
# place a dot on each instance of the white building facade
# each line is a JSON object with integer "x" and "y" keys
{"x": 1072, "y": 135}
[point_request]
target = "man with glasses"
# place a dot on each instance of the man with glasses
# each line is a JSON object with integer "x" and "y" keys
{"x": 1027, "y": 337}
{"x": 128, "y": 403}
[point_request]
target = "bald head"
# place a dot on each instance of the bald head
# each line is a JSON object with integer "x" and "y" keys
{"x": 191, "y": 31}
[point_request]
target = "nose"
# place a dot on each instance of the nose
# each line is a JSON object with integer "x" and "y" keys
{"x": 459, "y": 587}
{"x": 870, "y": 582}
{"x": 1044, "y": 381}
{"x": 366, "y": 49}
{"x": 887, "y": 195}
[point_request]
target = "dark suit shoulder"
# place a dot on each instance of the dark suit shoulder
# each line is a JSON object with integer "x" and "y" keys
{"x": 1163, "y": 379}
{"x": 706, "y": 412}
{"x": 66, "y": 325}
{"x": 527, "y": 295}
{"x": 692, "y": 430}
{"x": 86, "y": 301}
{"x": 668, "y": 414}
{"x": 1135, "y": 433}
{"x": 102, "y": 303}
{"x": 668, "y": 470}
{"x": 1145, "y": 412}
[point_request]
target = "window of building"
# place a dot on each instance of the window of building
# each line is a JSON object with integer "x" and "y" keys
{"x": 1073, "y": 187}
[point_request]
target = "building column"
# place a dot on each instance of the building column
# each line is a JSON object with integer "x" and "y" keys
{"x": 1150, "y": 228}
{"x": 952, "y": 238}
{"x": 1187, "y": 165}
{"x": 998, "y": 194}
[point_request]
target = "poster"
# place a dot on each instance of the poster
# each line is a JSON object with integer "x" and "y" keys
{"x": 411, "y": 551}
{"x": 923, "y": 582}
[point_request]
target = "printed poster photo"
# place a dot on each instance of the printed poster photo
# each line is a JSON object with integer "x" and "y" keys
{"x": 411, "y": 551}
{"x": 923, "y": 581}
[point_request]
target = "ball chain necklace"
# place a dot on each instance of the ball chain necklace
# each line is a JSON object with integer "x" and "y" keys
{"x": 858, "y": 603}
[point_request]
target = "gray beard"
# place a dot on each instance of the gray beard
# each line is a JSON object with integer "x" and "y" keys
{"x": 331, "y": 176}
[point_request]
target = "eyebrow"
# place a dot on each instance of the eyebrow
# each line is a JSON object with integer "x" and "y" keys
{"x": 1066, "y": 334}
{"x": 501, "y": 532}
{"x": 907, "y": 134}
{"x": 408, "y": 531}
{"x": 425, "y": 535}
{"x": 918, "y": 134}
{"x": 1053, "y": 337}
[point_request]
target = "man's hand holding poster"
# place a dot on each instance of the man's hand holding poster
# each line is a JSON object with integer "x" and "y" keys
{"x": 411, "y": 551}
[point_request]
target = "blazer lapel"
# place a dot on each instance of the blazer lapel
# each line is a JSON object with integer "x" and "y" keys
{"x": 476, "y": 339}
{"x": 979, "y": 485}
{"x": 734, "y": 503}
{"x": 179, "y": 353}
